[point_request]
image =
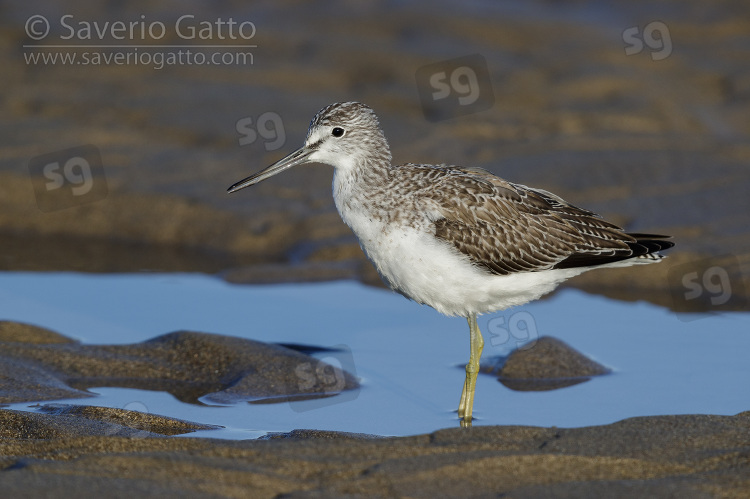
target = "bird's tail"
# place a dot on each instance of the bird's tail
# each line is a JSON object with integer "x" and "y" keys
{"x": 647, "y": 246}
{"x": 645, "y": 249}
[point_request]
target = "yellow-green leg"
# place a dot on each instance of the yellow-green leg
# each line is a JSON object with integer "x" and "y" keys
{"x": 466, "y": 406}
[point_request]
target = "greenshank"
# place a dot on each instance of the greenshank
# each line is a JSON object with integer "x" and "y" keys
{"x": 460, "y": 240}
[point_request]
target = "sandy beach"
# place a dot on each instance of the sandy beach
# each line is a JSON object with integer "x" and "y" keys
{"x": 85, "y": 449}
{"x": 638, "y": 112}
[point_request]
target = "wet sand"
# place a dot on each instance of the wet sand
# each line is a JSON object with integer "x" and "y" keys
{"x": 87, "y": 449}
{"x": 37, "y": 364}
{"x": 654, "y": 145}
{"x": 664, "y": 456}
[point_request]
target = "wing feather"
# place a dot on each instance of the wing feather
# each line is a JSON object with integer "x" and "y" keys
{"x": 507, "y": 228}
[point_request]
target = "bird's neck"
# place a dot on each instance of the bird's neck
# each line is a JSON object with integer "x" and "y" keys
{"x": 357, "y": 190}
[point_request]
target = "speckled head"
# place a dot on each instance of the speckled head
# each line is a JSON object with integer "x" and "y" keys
{"x": 345, "y": 135}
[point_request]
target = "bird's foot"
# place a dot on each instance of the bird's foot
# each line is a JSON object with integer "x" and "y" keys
{"x": 466, "y": 405}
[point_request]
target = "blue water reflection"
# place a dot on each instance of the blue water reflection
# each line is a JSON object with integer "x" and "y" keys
{"x": 408, "y": 357}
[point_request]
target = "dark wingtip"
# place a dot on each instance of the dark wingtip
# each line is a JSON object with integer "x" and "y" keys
{"x": 652, "y": 242}
{"x": 645, "y": 244}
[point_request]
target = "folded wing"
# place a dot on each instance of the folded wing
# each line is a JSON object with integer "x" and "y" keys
{"x": 507, "y": 228}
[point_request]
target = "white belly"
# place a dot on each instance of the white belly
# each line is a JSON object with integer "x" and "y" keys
{"x": 430, "y": 271}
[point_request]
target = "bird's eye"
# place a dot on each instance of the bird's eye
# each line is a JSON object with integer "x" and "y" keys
{"x": 337, "y": 132}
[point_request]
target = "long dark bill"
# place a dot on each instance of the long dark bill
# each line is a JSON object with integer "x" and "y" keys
{"x": 298, "y": 157}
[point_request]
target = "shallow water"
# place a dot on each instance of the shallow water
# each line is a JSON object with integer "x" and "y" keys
{"x": 408, "y": 357}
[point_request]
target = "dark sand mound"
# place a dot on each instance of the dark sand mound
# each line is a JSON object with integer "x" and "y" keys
{"x": 547, "y": 364}
{"x": 188, "y": 365}
{"x": 64, "y": 421}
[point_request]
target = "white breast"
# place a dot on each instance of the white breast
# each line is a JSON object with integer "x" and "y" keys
{"x": 412, "y": 261}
